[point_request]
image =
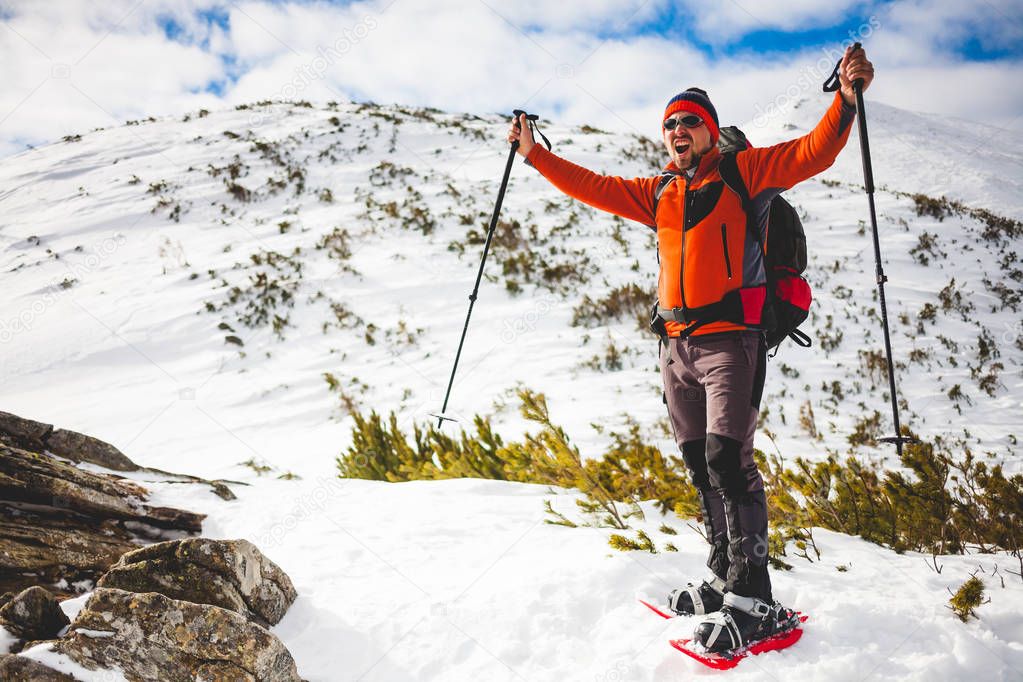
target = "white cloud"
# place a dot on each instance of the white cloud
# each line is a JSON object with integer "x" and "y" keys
{"x": 465, "y": 55}
{"x": 72, "y": 67}
{"x": 916, "y": 30}
{"x": 723, "y": 21}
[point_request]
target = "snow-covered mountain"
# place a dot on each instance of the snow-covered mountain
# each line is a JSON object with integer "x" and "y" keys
{"x": 181, "y": 288}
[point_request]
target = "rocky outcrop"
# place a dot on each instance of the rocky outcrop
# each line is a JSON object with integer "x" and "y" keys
{"x": 41, "y": 479}
{"x": 21, "y": 669}
{"x": 152, "y": 637}
{"x": 61, "y": 522}
{"x": 232, "y": 574}
{"x": 33, "y": 614}
{"x": 39, "y": 437}
{"x": 180, "y": 609}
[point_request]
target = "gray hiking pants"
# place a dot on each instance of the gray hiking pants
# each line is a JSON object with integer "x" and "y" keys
{"x": 713, "y": 385}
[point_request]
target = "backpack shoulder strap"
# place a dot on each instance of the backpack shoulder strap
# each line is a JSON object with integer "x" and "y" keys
{"x": 728, "y": 168}
{"x": 662, "y": 184}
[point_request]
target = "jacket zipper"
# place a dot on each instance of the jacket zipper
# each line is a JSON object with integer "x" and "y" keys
{"x": 685, "y": 220}
{"x": 724, "y": 245}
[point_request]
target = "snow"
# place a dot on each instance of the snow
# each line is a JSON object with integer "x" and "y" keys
{"x": 72, "y": 606}
{"x": 7, "y": 640}
{"x": 45, "y": 654}
{"x": 86, "y": 632}
{"x": 462, "y": 579}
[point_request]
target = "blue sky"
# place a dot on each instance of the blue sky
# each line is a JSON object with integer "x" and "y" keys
{"x": 675, "y": 20}
{"x": 75, "y": 65}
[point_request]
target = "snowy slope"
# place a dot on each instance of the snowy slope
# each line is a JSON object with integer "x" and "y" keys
{"x": 119, "y": 253}
{"x": 462, "y": 580}
{"x": 80, "y": 213}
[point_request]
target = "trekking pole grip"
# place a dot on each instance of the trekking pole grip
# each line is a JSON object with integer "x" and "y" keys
{"x": 858, "y": 83}
{"x": 517, "y": 113}
{"x": 531, "y": 120}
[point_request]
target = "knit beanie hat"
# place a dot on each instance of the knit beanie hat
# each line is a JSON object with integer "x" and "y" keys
{"x": 695, "y": 101}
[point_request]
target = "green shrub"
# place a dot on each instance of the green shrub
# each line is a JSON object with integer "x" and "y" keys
{"x": 926, "y": 249}
{"x": 381, "y": 452}
{"x": 269, "y": 293}
{"x": 629, "y": 472}
{"x": 628, "y": 302}
{"x": 936, "y": 208}
{"x": 967, "y": 598}
{"x": 642, "y": 543}
{"x": 952, "y": 299}
{"x": 635, "y": 470}
{"x": 935, "y": 503}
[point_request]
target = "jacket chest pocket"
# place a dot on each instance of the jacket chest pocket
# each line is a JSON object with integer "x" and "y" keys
{"x": 724, "y": 250}
{"x": 710, "y": 249}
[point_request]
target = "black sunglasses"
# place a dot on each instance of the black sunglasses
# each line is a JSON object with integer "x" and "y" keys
{"x": 689, "y": 121}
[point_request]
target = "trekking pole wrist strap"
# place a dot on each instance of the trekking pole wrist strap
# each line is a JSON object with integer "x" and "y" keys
{"x": 531, "y": 121}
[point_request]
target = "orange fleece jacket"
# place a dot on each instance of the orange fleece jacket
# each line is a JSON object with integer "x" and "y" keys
{"x": 704, "y": 246}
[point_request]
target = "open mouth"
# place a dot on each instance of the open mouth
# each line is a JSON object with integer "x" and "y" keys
{"x": 681, "y": 147}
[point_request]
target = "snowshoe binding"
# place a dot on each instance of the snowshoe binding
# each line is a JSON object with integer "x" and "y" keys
{"x": 707, "y": 597}
{"x": 742, "y": 622}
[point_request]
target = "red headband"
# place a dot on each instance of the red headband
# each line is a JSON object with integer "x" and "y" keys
{"x": 694, "y": 108}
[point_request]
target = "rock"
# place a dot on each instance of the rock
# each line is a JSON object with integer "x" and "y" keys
{"x": 218, "y": 487}
{"x": 38, "y": 437}
{"x": 81, "y": 448}
{"x": 44, "y": 547}
{"x": 58, "y": 521}
{"x": 20, "y": 669}
{"x": 33, "y": 614}
{"x": 40, "y": 479}
{"x": 23, "y": 433}
{"x": 152, "y": 637}
{"x": 231, "y": 574}
{"x": 34, "y": 436}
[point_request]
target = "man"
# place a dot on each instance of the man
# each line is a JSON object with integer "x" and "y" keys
{"x": 713, "y": 367}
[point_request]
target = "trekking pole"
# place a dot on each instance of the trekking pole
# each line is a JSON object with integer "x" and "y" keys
{"x": 868, "y": 182}
{"x": 479, "y": 275}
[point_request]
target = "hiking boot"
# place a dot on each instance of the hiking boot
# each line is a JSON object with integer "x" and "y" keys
{"x": 742, "y": 621}
{"x": 690, "y": 600}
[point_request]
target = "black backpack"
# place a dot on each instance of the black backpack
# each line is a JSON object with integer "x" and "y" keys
{"x": 788, "y": 293}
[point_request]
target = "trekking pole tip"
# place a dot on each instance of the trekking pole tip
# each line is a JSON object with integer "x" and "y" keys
{"x": 898, "y": 440}
{"x": 441, "y": 418}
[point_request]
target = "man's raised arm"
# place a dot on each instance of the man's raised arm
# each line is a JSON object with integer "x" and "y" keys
{"x": 632, "y": 199}
{"x": 783, "y": 165}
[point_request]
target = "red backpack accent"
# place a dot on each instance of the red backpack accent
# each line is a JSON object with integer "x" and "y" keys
{"x": 788, "y": 293}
